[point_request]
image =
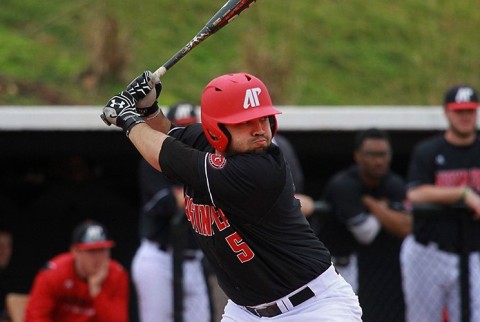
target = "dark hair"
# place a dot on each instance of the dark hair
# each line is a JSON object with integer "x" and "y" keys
{"x": 372, "y": 133}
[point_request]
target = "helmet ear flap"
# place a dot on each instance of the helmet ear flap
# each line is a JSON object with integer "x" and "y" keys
{"x": 226, "y": 133}
{"x": 217, "y": 135}
{"x": 273, "y": 124}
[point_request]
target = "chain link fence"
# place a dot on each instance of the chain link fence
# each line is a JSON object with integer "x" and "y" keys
{"x": 383, "y": 282}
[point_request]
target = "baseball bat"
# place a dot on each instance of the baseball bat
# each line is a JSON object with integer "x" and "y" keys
{"x": 230, "y": 10}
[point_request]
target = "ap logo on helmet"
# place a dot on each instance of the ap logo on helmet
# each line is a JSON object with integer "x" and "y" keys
{"x": 251, "y": 97}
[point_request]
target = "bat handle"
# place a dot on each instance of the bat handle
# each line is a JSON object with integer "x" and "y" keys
{"x": 160, "y": 72}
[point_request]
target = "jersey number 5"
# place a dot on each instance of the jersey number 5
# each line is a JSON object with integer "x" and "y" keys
{"x": 244, "y": 253}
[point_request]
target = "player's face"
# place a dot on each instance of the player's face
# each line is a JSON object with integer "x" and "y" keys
{"x": 462, "y": 122}
{"x": 253, "y": 136}
{"x": 89, "y": 262}
{"x": 374, "y": 158}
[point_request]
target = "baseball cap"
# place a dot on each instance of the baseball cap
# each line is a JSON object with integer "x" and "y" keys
{"x": 461, "y": 97}
{"x": 182, "y": 114}
{"x": 91, "y": 235}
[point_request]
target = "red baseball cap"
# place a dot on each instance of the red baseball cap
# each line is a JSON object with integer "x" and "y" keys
{"x": 91, "y": 235}
{"x": 461, "y": 97}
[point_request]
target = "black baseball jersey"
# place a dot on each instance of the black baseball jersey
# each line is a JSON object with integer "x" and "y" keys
{"x": 436, "y": 161}
{"x": 344, "y": 193}
{"x": 245, "y": 218}
{"x": 379, "y": 278}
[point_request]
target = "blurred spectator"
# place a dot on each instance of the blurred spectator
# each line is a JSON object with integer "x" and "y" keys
{"x": 166, "y": 287}
{"x": 368, "y": 226}
{"x": 445, "y": 170}
{"x": 6, "y": 247}
{"x": 13, "y": 275}
{"x": 84, "y": 284}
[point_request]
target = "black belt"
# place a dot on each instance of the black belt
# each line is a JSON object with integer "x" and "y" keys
{"x": 190, "y": 254}
{"x": 273, "y": 309}
{"x": 449, "y": 248}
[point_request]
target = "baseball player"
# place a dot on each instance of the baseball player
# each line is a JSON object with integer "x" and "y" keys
{"x": 152, "y": 266}
{"x": 444, "y": 169}
{"x": 239, "y": 200}
{"x": 368, "y": 226}
{"x": 84, "y": 285}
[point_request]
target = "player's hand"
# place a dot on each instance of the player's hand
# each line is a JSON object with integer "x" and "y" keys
{"x": 306, "y": 203}
{"x": 95, "y": 280}
{"x": 120, "y": 110}
{"x": 145, "y": 90}
{"x": 472, "y": 200}
{"x": 371, "y": 202}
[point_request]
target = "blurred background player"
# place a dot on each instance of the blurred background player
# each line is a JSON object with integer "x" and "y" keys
{"x": 368, "y": 225}
{"x": 6, "y": 248}
{"x": 84, "y": 284}
{"x": 15, "y": 280}
{"x": 163, "y": 226}
{"x": 444, "y": 169}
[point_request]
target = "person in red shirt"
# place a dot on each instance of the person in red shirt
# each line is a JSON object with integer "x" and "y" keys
{"x": 83, "y": 285}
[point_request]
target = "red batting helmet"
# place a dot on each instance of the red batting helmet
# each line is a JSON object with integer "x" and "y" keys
{"x": 233, "y": 99}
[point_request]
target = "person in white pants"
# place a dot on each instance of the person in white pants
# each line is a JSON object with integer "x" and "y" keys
{"x": 444, "y": 170}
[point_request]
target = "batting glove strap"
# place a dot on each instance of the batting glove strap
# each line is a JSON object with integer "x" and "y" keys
{"x": 130, "y": 123}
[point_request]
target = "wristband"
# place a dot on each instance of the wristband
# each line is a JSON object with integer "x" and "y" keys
{"x": 131, "y": 122}
{"x": 463, "y": 194}
{"x": 154, "y": 115}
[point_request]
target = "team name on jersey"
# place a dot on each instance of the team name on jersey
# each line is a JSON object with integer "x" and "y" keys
{"x": 203, "y": 217}
{"x": 462, "y": 177}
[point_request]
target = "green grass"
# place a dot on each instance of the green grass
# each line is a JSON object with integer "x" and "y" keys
{"x": 308, "y": 52}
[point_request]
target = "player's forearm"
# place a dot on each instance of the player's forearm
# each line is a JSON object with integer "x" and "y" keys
{"x": 148, "y": 142}
{"x": 395, "y": 222}
{"x": 435, "y": 194}
{"x": 159, "y": 122}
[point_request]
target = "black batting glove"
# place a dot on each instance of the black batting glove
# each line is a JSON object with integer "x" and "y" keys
{"x": 120, "y": 110}
{"x": 139, "y": 88}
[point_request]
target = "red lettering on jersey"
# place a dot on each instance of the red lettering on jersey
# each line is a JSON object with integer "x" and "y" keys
{"x": 198, "y": 226}
{"x": 456, "y": 178}
{"x": 202, "y": 217}
{"x": 475, "y": 179}
{"x": 220, "y": 219}
{"x": 188, "y": 210}
{"x": 204, "y": 220}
